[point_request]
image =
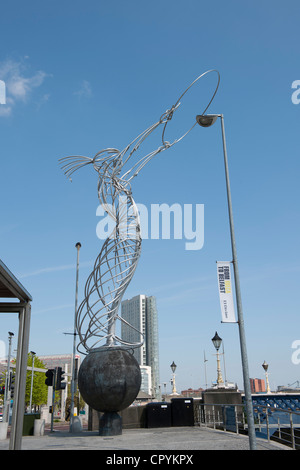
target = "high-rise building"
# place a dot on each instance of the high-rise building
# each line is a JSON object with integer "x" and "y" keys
{"x": 257, "y": 386}
{"x": 141, "y": 313}
{"x": 146, "y": 382}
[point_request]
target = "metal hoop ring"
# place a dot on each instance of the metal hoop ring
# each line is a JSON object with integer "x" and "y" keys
{"x": 177, "y": 104}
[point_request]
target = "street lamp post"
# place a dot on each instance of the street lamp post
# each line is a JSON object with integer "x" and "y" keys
{"x": 207, "y": 121}
{"x": 173, "y": 368}
{"x": 265, "y": 366}
{"x": 74, "y": 428}
{"x": 31, "y": 386}
{"x": 6, "y": 390}
{"x": 217, "y": 343}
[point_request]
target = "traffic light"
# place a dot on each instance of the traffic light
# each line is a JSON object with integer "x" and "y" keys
{"x": 12, "y": 384}
{"x": 49, "y": 380}
{"x": 60, "y": 385}
{"x": 76, "y": 369}
{"x": 2, "y": 390}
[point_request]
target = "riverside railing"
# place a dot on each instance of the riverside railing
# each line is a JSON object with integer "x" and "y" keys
{"x": 276, "y": 424}
{"x": 280, "y": 425}
{"x": 218, "y": 416}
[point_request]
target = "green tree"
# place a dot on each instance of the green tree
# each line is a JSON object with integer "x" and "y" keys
{"x": 39, "y": 388}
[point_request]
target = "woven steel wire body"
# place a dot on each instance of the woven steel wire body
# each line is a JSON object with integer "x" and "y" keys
{"x": 117, "y": 261}
{"x": 115, "y": 264}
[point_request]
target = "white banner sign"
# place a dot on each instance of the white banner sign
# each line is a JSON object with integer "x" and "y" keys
{"x": 225, "y": 292}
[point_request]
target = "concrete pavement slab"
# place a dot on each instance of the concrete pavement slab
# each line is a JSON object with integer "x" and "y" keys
{"x": 158, "y": 439}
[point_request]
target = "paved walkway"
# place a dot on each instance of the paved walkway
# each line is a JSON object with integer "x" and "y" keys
{"x": 177, "y": 439}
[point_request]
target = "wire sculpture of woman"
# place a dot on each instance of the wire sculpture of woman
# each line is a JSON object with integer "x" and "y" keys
{"x": 117, "y": 261}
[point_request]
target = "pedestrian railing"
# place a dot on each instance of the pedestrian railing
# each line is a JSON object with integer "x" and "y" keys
{"x": 226, "y": 417}
{"x": 275, "y": 424}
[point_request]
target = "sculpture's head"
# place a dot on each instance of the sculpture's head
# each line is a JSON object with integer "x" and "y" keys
{"x": 105, "y": 160}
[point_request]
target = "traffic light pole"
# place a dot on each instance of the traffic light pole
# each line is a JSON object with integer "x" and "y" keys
{"x": 53, "y": 398}
{"x": 55, "y": 379}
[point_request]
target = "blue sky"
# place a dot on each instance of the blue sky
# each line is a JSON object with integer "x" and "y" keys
{"x": 84, "y": 76}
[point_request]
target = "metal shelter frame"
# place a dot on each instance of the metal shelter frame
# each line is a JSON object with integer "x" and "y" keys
{"x": 11, "y": 288}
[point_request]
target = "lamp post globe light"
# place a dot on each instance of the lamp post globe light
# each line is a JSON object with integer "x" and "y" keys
{"x": 265, "y": 366}
{"x": 217, "y": 341}
{"x": 207, "y": 120}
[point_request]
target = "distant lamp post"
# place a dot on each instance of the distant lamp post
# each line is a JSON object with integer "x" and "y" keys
{"x": 74, "y": 427}
{"x": 6, "y": 390}
{"x": 265, "y": 367}
{"x": 31, "y": 387}
{"x": 173, "y": 368}
{"x": 217, "y": 341}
